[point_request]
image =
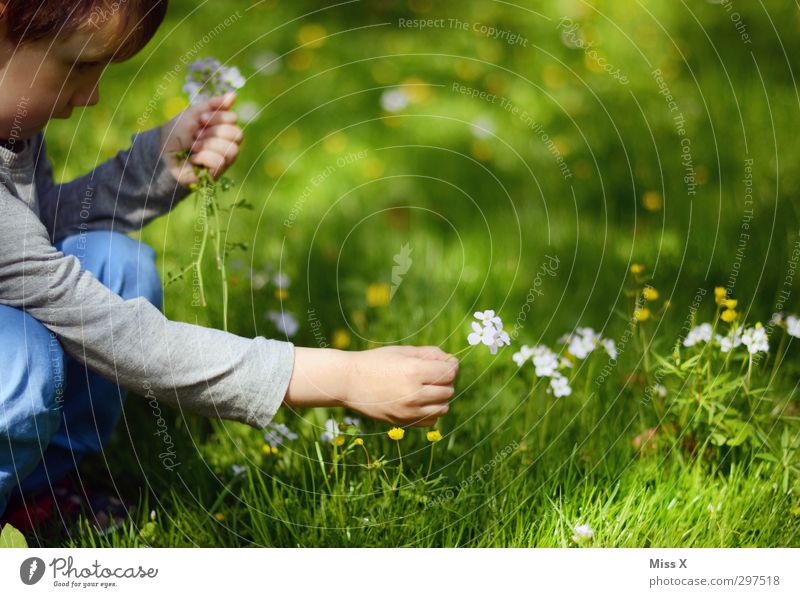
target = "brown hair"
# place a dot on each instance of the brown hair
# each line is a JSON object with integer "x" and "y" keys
{"x": 31, "y": 20}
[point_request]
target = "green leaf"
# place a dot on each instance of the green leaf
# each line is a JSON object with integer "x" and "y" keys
{"x": 11, "y": 537}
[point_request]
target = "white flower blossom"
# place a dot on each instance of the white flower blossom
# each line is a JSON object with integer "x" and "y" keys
{"x": 238, "y": 470}
{"x": 755, "y": 339}
{"x": 208, "y": 78}
{"x": 267, "y": 63}
{"x": 731, "y": 341}
{"x": 700, "y": 333}
{"x": 482, "y": 127}
{"x": 277, "y": 433}
{"x": 560, "y": 386}
{"x": 490, "y": 333}
{"x": 793, "y": 326}
{"x": 331, "y": 431}
{"x": 281, "y": 280}
{"x": 583, "y": 532}
{"x": 394, "y": 100}
{"x": 284, "y": 321}
{"x": 524, "y": 354}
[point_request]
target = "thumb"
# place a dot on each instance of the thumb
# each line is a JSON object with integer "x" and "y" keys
{"x": 221, "y": 102}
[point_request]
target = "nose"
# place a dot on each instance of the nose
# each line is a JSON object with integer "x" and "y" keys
{"x": 87, "y": 96}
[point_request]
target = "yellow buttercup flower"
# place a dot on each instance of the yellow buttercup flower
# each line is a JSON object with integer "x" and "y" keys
{"x": 434, "y": 436}
{"x": 396, "y": 433}
{"x": 266, "y": 449}
{"x": 637, "y": 268}
{"x": 641, "y": 314}
{"x": 649, "y": 293}
{"x": 731, "y": 303}
{"x": 358, "y": 441}
{"x": 281, "y": 294}
{"x": 729, "y": 316}
{"x": 341, "y": 338}
{"x": 720, "y": 295}
{"x": 338, "y": 440}
{"x": 219, "y": 516}
{"x": 378, "y": 294}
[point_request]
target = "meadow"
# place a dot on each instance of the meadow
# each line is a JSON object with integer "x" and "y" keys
{"x": 590, "y": 171}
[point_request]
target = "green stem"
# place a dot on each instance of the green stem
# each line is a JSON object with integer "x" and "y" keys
{"x": 430, "y": 462}
{"x": 778, "y": 357}
{"x": 400, "y": 468}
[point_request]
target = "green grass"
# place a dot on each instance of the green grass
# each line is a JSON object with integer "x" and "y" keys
{"x": 479, "y": 216}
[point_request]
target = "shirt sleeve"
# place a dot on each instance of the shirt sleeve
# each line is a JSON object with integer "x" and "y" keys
{"x": 196, "y": 369}
{"x": 122, "y": 194}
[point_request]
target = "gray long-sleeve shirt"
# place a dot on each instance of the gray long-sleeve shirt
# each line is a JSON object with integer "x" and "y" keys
{"x": 130, "y": 342}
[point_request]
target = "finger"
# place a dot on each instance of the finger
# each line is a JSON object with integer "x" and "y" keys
{"x": 210, "y": 159}
{"x": 211, "y": 118}
{"x": 433, "y": 411}
{"x": 435, "y": 372}
{"x": 222, "y": 131}
{"x": 227, "y": 149}
{"x": 434, "y": 394}
{"x": 220, "y": 102}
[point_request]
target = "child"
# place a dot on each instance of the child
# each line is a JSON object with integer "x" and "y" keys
{"x": 80, "y": 319}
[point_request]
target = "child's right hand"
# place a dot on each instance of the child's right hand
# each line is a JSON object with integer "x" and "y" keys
{"x": 402, "y": 385}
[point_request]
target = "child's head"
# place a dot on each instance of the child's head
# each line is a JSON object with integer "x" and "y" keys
{"x": 52, "y": 53}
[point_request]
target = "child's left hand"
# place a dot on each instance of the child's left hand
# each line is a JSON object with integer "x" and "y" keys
{"x": 210, "y": 131}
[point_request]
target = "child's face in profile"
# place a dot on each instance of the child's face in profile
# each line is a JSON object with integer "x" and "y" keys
{"x": 48, "y": 78}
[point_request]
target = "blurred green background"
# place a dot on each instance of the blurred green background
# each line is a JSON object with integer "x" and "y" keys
{"x": 475, "y": 189}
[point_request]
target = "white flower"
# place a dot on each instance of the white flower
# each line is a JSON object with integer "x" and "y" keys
{"x": 352, "y": 421}
{"x": 731, "y": 341}
{"x": 277, "y": 433}
{"x": 755, "y": 339}
{"x": 521, "y": 357}
{"x": 560, "y": 386}
{"x": 284, "y": 321}
{"x": 281, "y": 280}
{"x": 483, "y": 127}
{"x": 490, "y": 333}
{"x": 584, "y": 341}
{"x": 238, "y": 470}
{"x": 701, "y": 333}
{"x": 481, "y": 334}
{"x": 489, "y": 318}
{"x": 501, "y": 339}
{"x": 583, "y": 532}
{"x": 394, "y": 100}
{"x": 208, "y": 78}
{"x": 248, "y": 112}
{"x": 331, "y": 431}
{"x": 546, "y": 363}
{"x": 660, "y": 390}
{"x": 267, "y": 63}
{"x": 793, "y": 326}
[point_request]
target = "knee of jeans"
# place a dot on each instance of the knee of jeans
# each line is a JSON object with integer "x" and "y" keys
{"x": 32, "y": 378}
{"x": 123, "y": 264}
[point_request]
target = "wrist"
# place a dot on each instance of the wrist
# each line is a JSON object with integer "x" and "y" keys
{"x": 321, "y": 377}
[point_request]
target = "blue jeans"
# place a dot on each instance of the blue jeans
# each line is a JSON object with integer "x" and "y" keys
{"x": 53, "y": 410}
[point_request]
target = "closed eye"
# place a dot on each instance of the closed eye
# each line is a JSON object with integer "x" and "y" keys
{"x": 86, "y": 66}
